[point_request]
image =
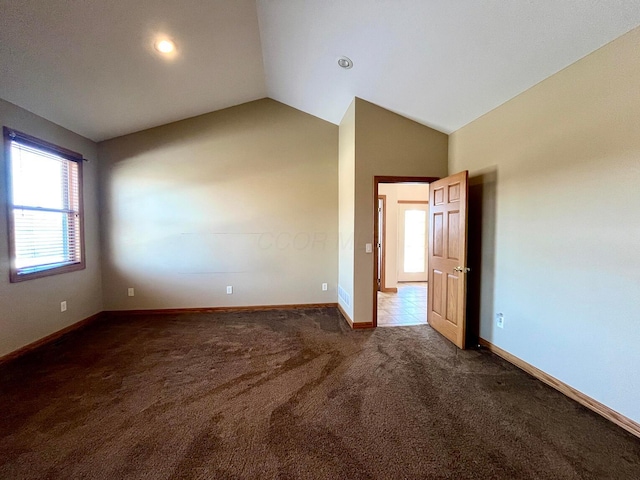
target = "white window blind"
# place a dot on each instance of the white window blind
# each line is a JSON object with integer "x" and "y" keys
{"x": 45, "y": 208}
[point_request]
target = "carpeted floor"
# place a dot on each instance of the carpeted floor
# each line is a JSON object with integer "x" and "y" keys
{"x": 289, "y": 394}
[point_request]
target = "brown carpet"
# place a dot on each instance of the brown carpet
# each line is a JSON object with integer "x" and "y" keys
{"x": 289, "y": 394}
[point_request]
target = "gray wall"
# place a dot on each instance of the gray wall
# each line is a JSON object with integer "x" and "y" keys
{"x": 557, "y": 172}
{"x": 30, "y": 310}
{"x": 347, "y": 185}
{"x": 246, "y": 196}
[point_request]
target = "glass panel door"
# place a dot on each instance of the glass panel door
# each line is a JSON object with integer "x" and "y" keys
{"x": 412, "y": 242}
{"x": 415, "y": 241}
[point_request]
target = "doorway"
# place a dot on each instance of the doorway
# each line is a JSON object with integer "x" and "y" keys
{"x": 400, "y": 230}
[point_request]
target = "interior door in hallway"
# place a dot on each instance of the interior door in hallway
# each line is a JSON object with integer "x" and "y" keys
{"x": 380, "y": 241}
{"x": 413, "y": 219}
{"x": 447, "y": 290}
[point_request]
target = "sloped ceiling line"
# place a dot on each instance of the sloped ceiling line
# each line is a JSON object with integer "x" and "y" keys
{"x": 90, "y": 66}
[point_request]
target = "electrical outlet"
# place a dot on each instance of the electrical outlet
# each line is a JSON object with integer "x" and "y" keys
{"x": 499, "y": 320}
{"x": 325, "y": 287}
{"x": 63, "y": 306}
{"x": 229, "y": 289}
{"x": 131, "y": 292}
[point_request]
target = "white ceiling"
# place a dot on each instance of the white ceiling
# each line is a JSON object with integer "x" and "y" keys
{"x": 89, "y": 65}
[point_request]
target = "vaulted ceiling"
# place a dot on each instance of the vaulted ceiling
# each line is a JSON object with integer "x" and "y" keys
{"x": 90, "y": 65}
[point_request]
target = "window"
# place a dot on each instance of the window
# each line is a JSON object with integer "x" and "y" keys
{"x": 44, "y": 207}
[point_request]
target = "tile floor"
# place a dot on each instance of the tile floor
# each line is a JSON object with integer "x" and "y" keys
{"x": 407, "y": 307}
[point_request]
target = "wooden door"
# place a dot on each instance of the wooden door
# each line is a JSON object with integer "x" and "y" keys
{"x": 446, "y": 298}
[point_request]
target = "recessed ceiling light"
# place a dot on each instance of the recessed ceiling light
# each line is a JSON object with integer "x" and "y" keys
{"x": 165, "y": 46}
{"x": 345, "y": 62}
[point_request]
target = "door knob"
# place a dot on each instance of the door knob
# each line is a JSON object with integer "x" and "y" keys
{"x": 462, "y": 269}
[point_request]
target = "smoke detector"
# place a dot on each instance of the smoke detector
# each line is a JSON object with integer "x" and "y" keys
{"x": 345, "y": 62}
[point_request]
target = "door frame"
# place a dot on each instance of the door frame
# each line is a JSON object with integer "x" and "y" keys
{"x": 383, "y": 246}
{"x": 377, "y": 180}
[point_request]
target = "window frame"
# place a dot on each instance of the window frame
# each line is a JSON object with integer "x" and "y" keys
{"x": 9, "y": 136}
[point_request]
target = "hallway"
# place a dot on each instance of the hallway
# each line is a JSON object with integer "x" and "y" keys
{"x": 407, "y": 307}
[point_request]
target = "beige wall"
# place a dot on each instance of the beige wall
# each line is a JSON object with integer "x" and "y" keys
{"x": 347, "y": 172}
{"x": 30, "y": 310}
{"x": 561, "y": 167}
{"x": 395, "y": 192}
{"x": 246, "y": 196}
{"x": 386, "y": 144}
